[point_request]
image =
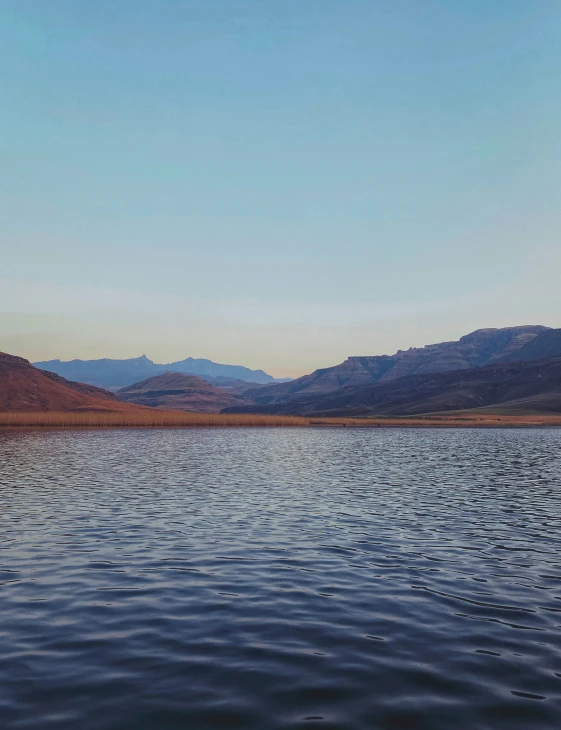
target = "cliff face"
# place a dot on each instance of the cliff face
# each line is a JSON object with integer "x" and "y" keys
{"x": 531, "y": 386}
{"x": 546, "y": 344}
{"x": 482, "y": 347}
{"x": 25, "y": 388}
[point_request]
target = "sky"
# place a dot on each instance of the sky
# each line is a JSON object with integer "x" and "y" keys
{"x": 276, "y": 183}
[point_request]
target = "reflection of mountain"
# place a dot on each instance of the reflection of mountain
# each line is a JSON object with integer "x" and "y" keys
{"x": 115, "y": 374}
{"x": 25, "y": 388}
{"x": 177, "y": 391}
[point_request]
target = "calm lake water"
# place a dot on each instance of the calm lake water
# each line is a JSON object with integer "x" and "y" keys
{"x": 282, "y": 578}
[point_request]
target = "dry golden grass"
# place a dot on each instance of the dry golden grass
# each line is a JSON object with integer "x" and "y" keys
{"x": 151, "y": 418}
{"x": 143, "y": 419}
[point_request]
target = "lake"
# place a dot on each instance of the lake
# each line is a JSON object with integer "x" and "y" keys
{"x": 400, "y": 579}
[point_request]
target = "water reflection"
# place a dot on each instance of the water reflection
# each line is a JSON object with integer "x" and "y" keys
{"x": 280, "y": 578}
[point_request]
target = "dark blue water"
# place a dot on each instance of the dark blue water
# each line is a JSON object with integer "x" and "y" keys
{"x": 296, "y": 578}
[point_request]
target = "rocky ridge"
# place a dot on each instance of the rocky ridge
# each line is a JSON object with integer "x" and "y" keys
{"x": 479, "y": 348}
{"x": 529, "y": 386}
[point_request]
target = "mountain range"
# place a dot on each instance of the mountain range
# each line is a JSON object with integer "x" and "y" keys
{"x": 513, "y": 368}
{"x": 530, "y": 386}
{"x": 115, "y": 374}
{"x": 482, "y": 347}
{"x": 411, "y": 380}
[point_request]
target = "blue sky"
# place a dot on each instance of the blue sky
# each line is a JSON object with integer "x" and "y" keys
{"x": 276, "y": 183}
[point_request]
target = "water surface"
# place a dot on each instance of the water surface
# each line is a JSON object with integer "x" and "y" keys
{"x": 280, "y": 578}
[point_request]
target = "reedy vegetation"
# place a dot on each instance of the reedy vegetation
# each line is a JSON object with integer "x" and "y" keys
{"x": 179, "y": 419}
{"x": 144, "y": 419}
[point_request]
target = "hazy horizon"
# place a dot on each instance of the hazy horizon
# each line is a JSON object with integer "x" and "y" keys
{"x": 163, "y": 361}
{"x": 273, "y": 185}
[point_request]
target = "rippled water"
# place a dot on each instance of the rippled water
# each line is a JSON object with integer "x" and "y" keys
{"x": 282, "y": 578}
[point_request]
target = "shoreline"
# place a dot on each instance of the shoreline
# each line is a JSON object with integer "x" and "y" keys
{"x": 180, "y": 419}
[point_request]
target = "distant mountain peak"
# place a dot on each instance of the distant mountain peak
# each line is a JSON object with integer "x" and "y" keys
{"x": 115, "y": 374}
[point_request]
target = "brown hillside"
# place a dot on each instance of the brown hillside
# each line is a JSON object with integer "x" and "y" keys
{"x": 180, "y": 392}
{"x": 25, "y": 388}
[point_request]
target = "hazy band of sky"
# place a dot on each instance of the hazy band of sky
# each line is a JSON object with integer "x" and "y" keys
{"x": 276, "y": 183}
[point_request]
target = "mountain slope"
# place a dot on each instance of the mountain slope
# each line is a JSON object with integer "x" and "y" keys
{"x": 533, "y": 385}
{"x": 115, "y": 374}
{"x": 180, "y": 392}
{"x": 25, "y": 388}
{"x": 478, "y": 348}
{"x": 231, "y": 385}
{"x": 546, "y": 344}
